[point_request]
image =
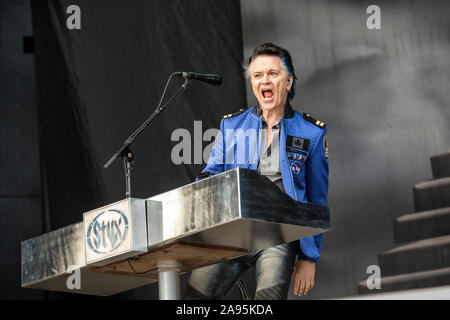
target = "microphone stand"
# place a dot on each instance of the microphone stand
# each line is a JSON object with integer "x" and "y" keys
{"x": 125, "y": 152}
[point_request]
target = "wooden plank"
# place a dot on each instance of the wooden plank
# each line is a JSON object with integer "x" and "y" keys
{"x": 190, "y": 256}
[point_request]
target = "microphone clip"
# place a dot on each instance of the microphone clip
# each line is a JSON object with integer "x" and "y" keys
{"x": 186, "y": 82}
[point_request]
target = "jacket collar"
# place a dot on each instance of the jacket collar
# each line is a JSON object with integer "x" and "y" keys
{"x": 288, "y": 112}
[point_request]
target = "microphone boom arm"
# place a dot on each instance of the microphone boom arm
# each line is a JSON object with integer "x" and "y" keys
{"x": 122, "y": 152}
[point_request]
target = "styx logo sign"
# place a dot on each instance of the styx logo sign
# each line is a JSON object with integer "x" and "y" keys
{"x": 107, "y": 231}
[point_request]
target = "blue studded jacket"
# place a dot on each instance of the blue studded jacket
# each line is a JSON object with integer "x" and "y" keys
{"x": 303, "y": 161}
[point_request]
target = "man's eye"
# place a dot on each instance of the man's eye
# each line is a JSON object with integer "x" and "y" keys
{"x": 273, "y": 73}
{"x": 256, "y": 76}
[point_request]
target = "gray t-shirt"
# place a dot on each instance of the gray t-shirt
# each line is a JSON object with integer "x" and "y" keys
{"x": 269, "y": 161}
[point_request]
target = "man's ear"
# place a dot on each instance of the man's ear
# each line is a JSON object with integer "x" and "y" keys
{"x": 290, "y": 80}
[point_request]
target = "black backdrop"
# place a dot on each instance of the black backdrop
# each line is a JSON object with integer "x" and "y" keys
{"x": 97, "y": 84}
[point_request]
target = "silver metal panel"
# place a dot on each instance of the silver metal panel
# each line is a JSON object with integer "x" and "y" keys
{"x": 92, "y": 283}
{"x": 238, "y": 208}
{"x": 115, "y": 232}
{"x": 194, "y": 208}
{"x": 154, "y": 222}
{"x": 52, "y": 253}
{"x": 46, "y": 260}
{"x": 250, "y": 234}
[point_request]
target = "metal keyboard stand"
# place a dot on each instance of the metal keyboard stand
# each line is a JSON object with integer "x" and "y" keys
{"x": 216, "y": 219}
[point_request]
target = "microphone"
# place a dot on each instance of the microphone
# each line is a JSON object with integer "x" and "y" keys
{"x": 213, "y": 79}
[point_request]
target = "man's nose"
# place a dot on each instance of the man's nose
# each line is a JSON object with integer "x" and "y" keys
{"x": 266, "y": 78}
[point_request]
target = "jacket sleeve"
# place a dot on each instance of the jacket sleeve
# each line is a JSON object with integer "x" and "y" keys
{"x": 216, "y": 161}
{"x": 316, "y": 191}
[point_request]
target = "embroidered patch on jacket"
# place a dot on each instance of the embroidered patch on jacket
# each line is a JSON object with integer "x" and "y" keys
{"x": 290, "y": 149}
{"x": 298, "y": 143}
{"x": 296, "y": 156}
{"x": 296, "y": 167}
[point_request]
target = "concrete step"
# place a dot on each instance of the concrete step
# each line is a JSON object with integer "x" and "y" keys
{"x": 433, "y": 194}
{"x": 423, "y": 279}
{"x": 422, "y": 225}
{"x": 440, "y": 165}
{"x": 422, "y": 255}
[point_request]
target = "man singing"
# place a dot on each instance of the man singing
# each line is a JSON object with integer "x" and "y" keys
{"x": 292, "y": 151}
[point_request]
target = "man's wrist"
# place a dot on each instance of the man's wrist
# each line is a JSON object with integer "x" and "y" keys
{"x": 307, "y": 260}
{"x": 302, "y": 256}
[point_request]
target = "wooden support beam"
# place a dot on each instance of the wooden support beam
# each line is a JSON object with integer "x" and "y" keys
{"x": 190, "y": 256}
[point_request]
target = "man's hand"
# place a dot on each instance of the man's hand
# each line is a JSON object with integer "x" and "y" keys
{"x": 303, "y": 277}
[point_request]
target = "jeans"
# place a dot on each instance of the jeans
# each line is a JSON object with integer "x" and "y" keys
{"x": 273, "y": 267}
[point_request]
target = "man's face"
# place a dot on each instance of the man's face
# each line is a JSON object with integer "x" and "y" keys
{"x": 270, "y": 82}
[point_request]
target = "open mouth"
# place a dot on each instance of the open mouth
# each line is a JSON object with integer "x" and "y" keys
{"x": 267, "y": 94}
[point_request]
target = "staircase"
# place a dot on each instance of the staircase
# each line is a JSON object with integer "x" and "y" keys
{"x": 424, "y": 258}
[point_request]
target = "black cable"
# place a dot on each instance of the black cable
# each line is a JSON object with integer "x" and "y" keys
{"x": 138, "y": 130}
{"x": 129, "y": 262}
{"x": 128, "y": 142}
